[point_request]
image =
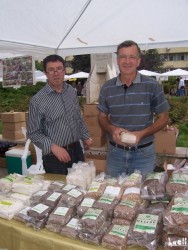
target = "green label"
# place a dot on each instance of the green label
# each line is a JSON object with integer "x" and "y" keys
{"x": 92, "y": 213}
{"x": 119, "y": 230}
{"x": 146, "y": 223}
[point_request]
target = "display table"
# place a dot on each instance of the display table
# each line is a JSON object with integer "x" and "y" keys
{"x": 15, "y": 235}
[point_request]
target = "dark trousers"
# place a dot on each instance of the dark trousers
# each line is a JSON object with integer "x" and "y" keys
{"x": 53, "y": 165}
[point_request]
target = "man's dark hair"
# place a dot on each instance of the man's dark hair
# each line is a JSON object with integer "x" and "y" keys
{"x": 129, "y": 43}
{"x": 52, "y": 58}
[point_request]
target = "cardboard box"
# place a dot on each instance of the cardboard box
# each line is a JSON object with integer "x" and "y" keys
{"x": 13, "y": 135}
{"x": 2, "y": 162}
{"x": 99, "y": 141}
{"x": 14, "y": 161}
{"x": 165, "y": 141}
{"x": 91, "y": 110}
{"x": 12, "y": 126}
{"x": 99, "y": 161}
{"x": 13, "y": 117}
{"x": 93, "y": 126}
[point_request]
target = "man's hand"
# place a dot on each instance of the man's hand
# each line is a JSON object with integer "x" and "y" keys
{"x": 87, "y": 143}
{"x": 60, "y": 153}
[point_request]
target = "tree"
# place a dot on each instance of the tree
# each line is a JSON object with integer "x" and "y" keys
{"x": 81, "y": 63}
{"x": 38, "y": 65}
{"x": 151, "y": 60}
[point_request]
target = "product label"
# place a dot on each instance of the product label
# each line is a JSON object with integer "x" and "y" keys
{"x": 94, "y": 187}
{"x": 146, "y": 223}
{"x": 73, "y": 223}
{"x": 112, "y": 190}
{"x": 74, "y": 192}
{"x": 61, "y": 211}
{"x": 132, "y": 190}
{"x": 68, "y": 187}
{"x": 128, "y": 203}
{"x": 181, "y": 206}
{"x": 40, "y": 208}
{"x": 179, "y": 178}
{"x": 119, "y": 231}
{"x": 155, "y": 176}
{"x": 108, "y": 199}
{"x": 87, "y": 202}
{"x": 92, "y": 213}
{"x": 54, "y": 196}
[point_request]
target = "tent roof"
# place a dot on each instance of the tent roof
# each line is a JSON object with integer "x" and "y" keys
{"x": 176, "y": 72}
{"x": 148, "y": 72}
{"x": 39, "y": 28}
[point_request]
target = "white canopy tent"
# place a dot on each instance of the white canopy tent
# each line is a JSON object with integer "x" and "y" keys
{"x": 40, "y": 28}
{"x": 176, "y": 72}
{"x": 148, "y": 72}
{"x": 78, "y": 75}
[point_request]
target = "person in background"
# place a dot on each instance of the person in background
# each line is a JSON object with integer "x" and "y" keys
{"x": 181, "y": 87}
{"x": 55, "y": 123}
{"x": 79, "y": 88}
{"x": 128, "y": 103}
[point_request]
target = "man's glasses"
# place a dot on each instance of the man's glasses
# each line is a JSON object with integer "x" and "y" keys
{"x": 53, "y": 71}
{"x": 129, "y": 57}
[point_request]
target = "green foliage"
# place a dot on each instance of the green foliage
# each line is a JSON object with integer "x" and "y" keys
{"x": 38, "y": 65}
{"x": 182, "y": 140}
{"x": 81, "y": 63}
{"x": 17, "y": 99}
{"x": 151, "y": 61}
{"x": 178, "y": 109}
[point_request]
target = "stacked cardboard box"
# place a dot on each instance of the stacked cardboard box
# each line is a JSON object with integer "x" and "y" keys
{"x": 12, "y": 123}
{"x": 165, "y": 140}
{"x": 91, "y": 119}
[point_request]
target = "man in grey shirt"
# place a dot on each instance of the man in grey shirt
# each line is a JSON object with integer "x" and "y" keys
{"x": 55, "y": 123}
{"x": 128, "y": 103}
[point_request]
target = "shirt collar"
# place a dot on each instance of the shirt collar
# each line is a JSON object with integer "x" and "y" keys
{"x": 49, "y": 89}
{"x": 136, "y": 80}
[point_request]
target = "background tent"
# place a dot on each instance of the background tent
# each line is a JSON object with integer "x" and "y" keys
{"x": 148, "y": 72}
{"x": 78, "y": 75}
{"x": 75, "y": 27}
{"x": 176, "y": 72}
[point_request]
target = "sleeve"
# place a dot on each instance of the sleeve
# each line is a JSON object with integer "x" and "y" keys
{"x": 34, "y": 128}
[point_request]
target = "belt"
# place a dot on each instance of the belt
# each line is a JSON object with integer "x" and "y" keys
{"x": 71, "y": 145}
{"x": 131, "y": 148}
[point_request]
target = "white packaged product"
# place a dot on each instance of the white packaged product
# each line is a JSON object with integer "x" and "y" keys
{"x": 128, "y": 138}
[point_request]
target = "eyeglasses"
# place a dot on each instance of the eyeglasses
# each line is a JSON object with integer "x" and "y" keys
{"x": 52, "y": 71}
{"x": 131, "y": 57}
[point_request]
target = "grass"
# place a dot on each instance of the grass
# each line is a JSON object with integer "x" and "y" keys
{"x": 182, "y": 140}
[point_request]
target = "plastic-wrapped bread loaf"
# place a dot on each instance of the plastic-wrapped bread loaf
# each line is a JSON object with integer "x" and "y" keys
{"x": 59, "y": 217}
{"x": 126, "y": 209}
{"x": 175, "y": 216}
{"x": 93, "y": 219}
{"x": 107, "y": 203}
{"x": 40, "y": 211}
{"x": 153, "y": 186}
{"x": 96, "y": 189}
{"x": 72, "y": 198}
{"x": 95, "y": 238}
{"x": 178, "y": 182}
{"x": 145, "y": 231}
{"x": 52, "y": 199}
{"x": 116, "y": 237}
{"x": 56, "y": 186}
{"x": 71, "y": 229}
{"x": 83, "y": 207}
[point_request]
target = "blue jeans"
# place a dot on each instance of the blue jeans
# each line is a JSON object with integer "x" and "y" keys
{"x": 122, "y": 161}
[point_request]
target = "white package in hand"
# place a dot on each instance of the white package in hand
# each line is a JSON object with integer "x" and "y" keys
{"x": 128, "y": 138}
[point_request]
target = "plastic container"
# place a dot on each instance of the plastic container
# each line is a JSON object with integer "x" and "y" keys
{"x": 14, "y": 161}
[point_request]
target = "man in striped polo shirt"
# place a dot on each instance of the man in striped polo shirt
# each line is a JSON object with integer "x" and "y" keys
{"x": 128, "y": 103}
{"x": 55, "y": 123}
